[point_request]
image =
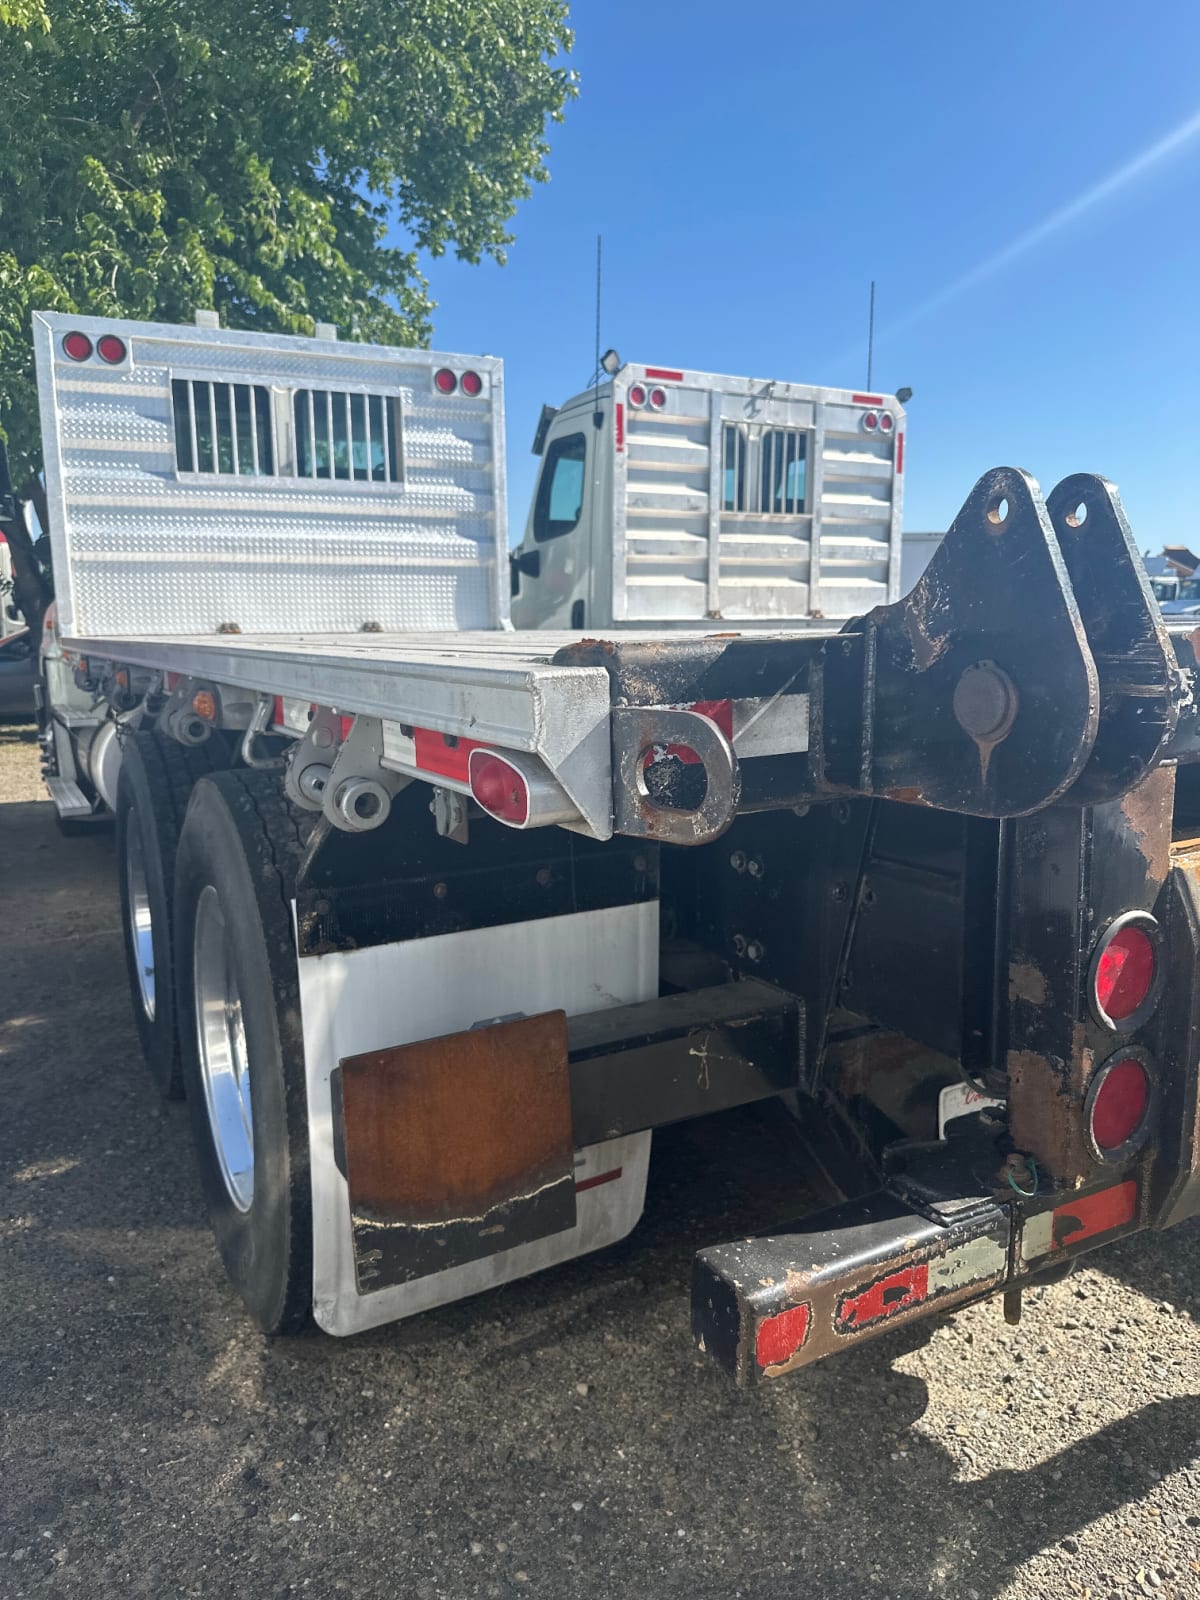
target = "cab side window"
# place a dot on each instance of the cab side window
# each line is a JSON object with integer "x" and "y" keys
{"x": 560, "y": 488}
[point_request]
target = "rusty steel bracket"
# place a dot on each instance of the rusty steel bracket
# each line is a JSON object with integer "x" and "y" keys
{"x": 1140, "y": 682}
{"x": 639, "y": 735}
{"x": 978, "y": 693}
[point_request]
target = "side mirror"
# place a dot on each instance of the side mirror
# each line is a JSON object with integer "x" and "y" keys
{"x": 528, "y": 562}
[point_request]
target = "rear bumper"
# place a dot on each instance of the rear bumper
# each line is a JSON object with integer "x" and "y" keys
{"x": 765, "y": 1307}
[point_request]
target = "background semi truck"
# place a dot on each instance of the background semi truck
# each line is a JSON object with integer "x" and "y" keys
{"x": 436, "y": 921}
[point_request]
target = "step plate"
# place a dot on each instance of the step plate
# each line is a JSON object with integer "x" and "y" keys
{"x": 69, "y": 799}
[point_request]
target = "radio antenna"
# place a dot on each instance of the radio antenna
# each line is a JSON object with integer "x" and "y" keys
{"x": 597, "y": 414}
{"x": 871, "y": 336}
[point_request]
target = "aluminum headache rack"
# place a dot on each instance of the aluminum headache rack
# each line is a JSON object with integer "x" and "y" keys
{"x": 201, "y": 479}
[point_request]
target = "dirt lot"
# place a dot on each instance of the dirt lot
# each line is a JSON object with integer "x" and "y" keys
{"x": 559, "y": 1437}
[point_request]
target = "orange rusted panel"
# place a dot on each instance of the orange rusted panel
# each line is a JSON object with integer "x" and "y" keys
{"x": 457, "y": 1147}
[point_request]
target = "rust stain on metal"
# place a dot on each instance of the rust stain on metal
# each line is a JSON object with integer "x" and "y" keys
{"x": 450, "y": 1127}
{"x": 906, "y": 797}
{"x": 1045, "y": 1109}
{"x": 854, "y": 1062}
{"x": 1027, "y": 981}
{"x": 796, "y": 1285}
{"x": 1148, "y": 809}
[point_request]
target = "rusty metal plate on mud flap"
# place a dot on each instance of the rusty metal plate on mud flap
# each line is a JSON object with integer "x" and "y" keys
{"x": 455, "y": 1148}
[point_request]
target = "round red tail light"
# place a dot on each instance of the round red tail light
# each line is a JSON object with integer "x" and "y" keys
{"x": 77, "y": 346}
{"x": 1124, "y": 968}
{"x": 1117, "y": 1103}
{"x": 111, "y": 349}
{"x": 637, "y": 395}
{"x": 471, "y": 383}
{"x": 870, "y": 420}
{"x": 886, "y": 422}
{"x": 658, "y": 398}
{"x": 499, "y": 788}
{"x": 445, "y": 381}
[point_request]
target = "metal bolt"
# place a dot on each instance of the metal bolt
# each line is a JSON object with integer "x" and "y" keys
{"x": 739, "y": 944}
{"x": 738, "y": 861}
{"x": 841, "y": 811}
{"x": 754, "y": 867}
{"x": 440, "y": 891}
{"x": 755, "y": 950}
{"x": 544, "y": 877}
{"x": 641, "y": 863}
{"x": 840, "y": 891}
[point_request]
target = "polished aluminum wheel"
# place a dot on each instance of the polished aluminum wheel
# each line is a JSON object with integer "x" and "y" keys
{"x": 224, "y": 1064}
{"x": 141, "y": 928}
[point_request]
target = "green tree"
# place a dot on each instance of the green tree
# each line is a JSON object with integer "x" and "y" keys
{"x": 250, "y": 155}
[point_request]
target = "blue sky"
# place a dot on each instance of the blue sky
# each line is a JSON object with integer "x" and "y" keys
{"x": 753, "y": 167}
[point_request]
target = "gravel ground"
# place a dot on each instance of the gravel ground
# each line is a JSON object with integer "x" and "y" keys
{"x": 559, "y": 1437}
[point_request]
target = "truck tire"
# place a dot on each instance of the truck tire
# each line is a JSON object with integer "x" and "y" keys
{"x": 157, "y": 777}
{"x": 242, "y": 1045}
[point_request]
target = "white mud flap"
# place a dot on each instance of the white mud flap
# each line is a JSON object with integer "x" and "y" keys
{"x": 394, "y": 994}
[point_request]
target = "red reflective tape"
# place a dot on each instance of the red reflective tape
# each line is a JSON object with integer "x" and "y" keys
{"x": 899, "y": 454}
{"x": 780, "y": 1336}
{"x": 345, "y": 723}
{"x": 444, "y": 754}
{"x": 866, "y": 399}
{"x": 665, "y": 374}
{"x": 1094, "y": 1214}
{"x": 277, "y": 713}
{"x": 173, "y": 680}
{"x": 601, "y": 1177}
{"x": 894, "y": 1292}
{"x": 620, "y": 425}
{"x": 718, "y": 711}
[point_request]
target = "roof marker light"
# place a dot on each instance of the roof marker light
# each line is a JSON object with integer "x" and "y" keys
{"x": 445, "y": 381}
{"x": 870, "y": 421}
{"x": 471, "y": 383}
{"x": 637, "y": 395}
{"x": 77, "y": 346}
{"x": 658, "y": 398}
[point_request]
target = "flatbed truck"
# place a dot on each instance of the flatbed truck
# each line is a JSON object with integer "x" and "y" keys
{"x": 435, "y": 921}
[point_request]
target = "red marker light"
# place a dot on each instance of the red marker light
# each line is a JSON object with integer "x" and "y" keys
{"x": 77, "y": 346}
{"x": 658, "y": 398}
{"x": 1123, "y": 972}
{"x": 500, "y": 789}
{"x": 1119, "y": 1101}
{"x": 870, "y": 420}
{"x": 637, "y": 395}
{"x": 445, "y": 381}
{"x": 886, "y": 422}
{"x": 111, "y": 349}
{"x": 471, "y": 383}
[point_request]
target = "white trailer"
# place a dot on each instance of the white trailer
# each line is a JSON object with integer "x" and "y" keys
{"x": 405, "y": 910}
{"x": 699, "y": 498}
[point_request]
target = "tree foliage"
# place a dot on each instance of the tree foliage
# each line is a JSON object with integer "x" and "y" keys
{"x": 249, "y": 155}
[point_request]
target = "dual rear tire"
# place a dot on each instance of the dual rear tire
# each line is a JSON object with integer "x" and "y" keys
{"x": 208, "y": 863}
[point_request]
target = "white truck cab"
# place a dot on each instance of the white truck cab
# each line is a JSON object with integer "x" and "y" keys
{"x": 670, "y": 498}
